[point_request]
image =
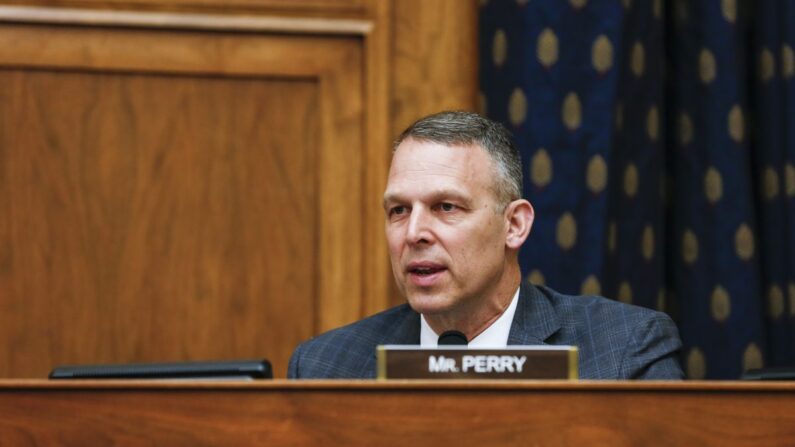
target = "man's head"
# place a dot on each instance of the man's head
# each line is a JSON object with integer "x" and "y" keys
{"x": 455, "y": 219}
{"x": 470, "y": 129}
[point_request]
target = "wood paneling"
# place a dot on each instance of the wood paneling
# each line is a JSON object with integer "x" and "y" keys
{"x": 435, "y": 53}
{"x": 185, "y": 20}
{"x": 134, "y": 212}
{"x": 182, "y": 184}
{"x": 197, "y": 201}
{"x": 305, "y": 8}
{"x": 377, "y": 290}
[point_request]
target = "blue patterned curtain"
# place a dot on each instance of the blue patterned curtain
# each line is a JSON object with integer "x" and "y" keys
{"x": 659, "y": 145}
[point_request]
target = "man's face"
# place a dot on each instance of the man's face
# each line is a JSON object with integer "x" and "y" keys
{"x": 445, "y": 228}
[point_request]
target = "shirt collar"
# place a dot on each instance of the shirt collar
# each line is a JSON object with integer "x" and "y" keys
{"x": 495, "y": 336}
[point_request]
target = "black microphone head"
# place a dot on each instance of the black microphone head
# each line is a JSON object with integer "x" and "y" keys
{"x": 453, "y": 337}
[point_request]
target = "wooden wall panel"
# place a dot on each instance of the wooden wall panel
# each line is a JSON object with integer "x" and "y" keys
{"x": 305, "y": 8}
{"x": 182, "y": 184}
{"x": 134, "y": 212}
{"x": 435, "y": 53}
{"x": 193, "y": 202}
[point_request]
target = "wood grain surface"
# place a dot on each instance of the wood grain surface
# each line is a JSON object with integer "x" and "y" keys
{"x": 194, "y": 179}
{"x": 437, "y": 46}
{"x": 192, "y": 203}
{"x": 301, "y": 8}
{"x": 136, "y": 209}
{"x": 183, "y": 20}
{"x": 403, "y": 413}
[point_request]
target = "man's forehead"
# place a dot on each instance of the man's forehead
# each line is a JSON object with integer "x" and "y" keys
{"x": 429, "y": 179}
{"x": 425, "y": 162}
{"x": 423, "y": 144}
{"x": 437, "y": 169}
{"x": 419, "y": 156}
{"x": 405, "y": 192}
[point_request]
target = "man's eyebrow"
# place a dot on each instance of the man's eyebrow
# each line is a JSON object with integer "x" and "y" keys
{"x": 390, "y": 197}
{"x": 449, "y": 193}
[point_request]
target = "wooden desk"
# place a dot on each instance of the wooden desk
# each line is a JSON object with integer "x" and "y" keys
{"x": 411, "y": 414}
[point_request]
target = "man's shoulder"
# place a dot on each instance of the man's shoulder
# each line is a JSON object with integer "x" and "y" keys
{"x": 616, "y": 340}
{"x": 574, "y": 307}
{"x": 372, "y": 328}
{"x": 349, "y": 351}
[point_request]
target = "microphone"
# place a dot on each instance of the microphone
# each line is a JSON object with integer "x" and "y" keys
{"x": 452, "y": 337}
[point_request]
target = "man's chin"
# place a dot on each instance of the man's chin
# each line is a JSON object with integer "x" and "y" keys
{"x": 429, "y": 304}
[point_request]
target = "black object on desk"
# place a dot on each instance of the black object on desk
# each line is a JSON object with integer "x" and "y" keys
{"x": 227, "y": 370}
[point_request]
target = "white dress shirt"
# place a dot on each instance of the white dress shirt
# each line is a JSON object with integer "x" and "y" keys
{"x": 495, "y": 336}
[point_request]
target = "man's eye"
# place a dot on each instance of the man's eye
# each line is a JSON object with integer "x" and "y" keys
{"x": 397, "y": 210}
{"x": 447, "y": 207}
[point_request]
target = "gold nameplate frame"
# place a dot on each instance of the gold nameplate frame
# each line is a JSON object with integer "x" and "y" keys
{"x": 459, "y": 362}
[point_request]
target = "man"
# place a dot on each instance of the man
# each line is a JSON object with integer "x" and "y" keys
{"x": 455, "y": 221}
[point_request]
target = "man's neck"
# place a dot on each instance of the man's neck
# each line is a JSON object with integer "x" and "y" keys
{"x": 472, "y": 322}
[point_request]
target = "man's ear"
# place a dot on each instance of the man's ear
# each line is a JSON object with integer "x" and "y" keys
{"x": 519, "y": 216}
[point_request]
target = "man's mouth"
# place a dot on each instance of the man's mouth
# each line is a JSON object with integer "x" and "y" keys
{"x": 425, "y": 268}
{"x": 424, "y": 271}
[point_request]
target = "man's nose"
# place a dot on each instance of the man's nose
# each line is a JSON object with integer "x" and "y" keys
{"x": 419, "y": 228}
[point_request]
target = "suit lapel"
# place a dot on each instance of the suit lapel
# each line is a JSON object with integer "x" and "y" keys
{"x": 535, "y": 319}
{"x": 405, "y": 330}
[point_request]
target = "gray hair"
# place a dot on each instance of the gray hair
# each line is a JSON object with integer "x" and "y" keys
{"x": 467, "y": 128}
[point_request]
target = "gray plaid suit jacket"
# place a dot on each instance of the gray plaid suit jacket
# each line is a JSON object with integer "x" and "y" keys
{"x": 615, "y": 340}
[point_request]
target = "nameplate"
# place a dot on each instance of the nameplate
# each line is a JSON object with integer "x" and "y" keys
{"x": 459, "y": 362}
